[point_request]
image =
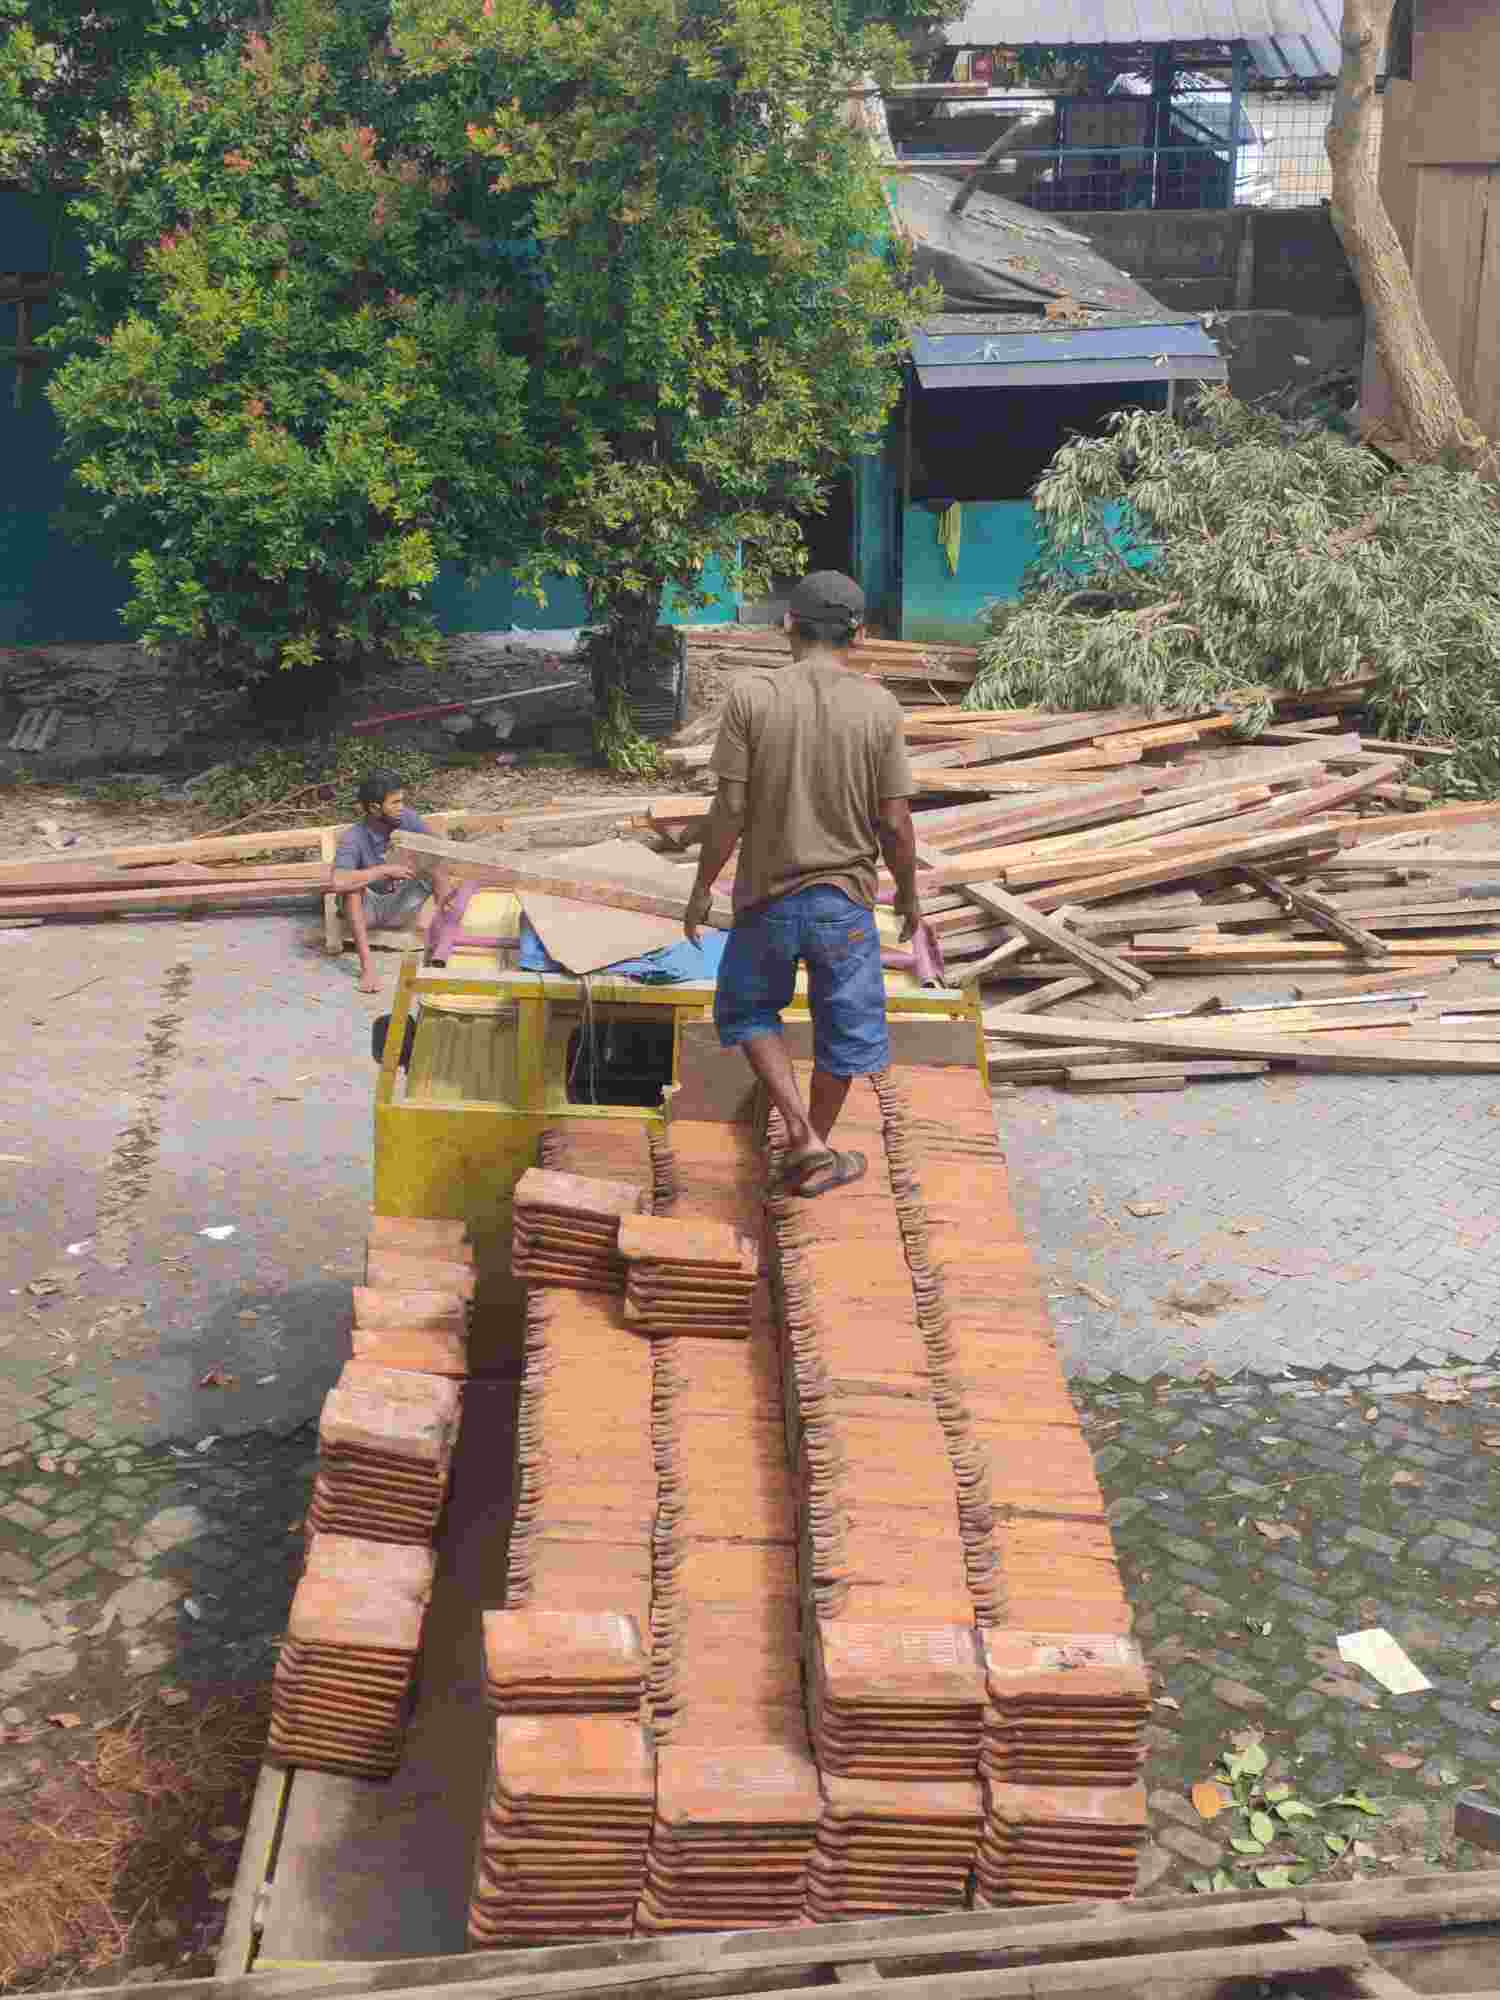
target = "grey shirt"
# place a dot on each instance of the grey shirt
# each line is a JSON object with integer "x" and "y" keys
{"x": 364, "y": 846}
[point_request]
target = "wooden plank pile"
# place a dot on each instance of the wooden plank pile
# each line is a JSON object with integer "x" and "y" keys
{"x": 1091, "y": 853}
{"x": 1190, "y": 1945}
{"x": 1087, "y": 854}
{"x": 244, "y": 871}
{"x": 912, "y": 669}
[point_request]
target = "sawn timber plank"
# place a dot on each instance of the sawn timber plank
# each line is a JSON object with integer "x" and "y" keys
{"x": 1177, "y": 1039}
{"x": 611, "y": 884}
{"x": 1206, "y": 859}
{"x": 108, "y": 902}
{"x": 1047, "y": 934}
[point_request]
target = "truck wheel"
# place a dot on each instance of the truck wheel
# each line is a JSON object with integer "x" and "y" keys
{"x": 380, "y": 1027}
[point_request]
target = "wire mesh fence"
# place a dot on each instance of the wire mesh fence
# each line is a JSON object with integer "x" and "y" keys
{"x": 1082, "y": 153}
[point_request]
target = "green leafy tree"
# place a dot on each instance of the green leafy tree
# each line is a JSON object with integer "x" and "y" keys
{"x": 67, "y": 68}
{"x": 718, "y": 314}
{"x": 290, "y": 383}
{"x": 28, "y": 65}
{"x": 608, "y": 293}
{"x": 1282, "y": 556}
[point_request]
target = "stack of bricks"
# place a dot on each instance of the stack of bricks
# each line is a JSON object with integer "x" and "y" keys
{"x": 894, "y": 1678}
{"x": 562, "y": 1852}
{"x": 585, "y": 1474}
{"x": 1057, "y": 1845}
{"x": 1067, "y": 1690}
{"x": 888, "y": 1505}
{"x": 1063, "y": 1709}
{"x": 688, "y": 1278}
{"x": 563, "y": 1663}
{"x": 567, "y": 1229}
{"x": 562, "y": 1846}
{"x": 737, "y": 1793}
{"x": 345, "y": 1677}
{"x": 386, "y": 1439}
{"x": 385, "y": 1454}
{"x": 412, "y": 1312}
{"x": 882, "y": 1849}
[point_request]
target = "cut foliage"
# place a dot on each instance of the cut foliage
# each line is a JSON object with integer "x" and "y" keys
{"x": 1262, "y": 556}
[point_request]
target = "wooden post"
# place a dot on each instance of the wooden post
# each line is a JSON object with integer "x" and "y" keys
{"x": 1236, "y": 111}
{"x": 333, "y": 916}
{"x": 1163, "y": 72}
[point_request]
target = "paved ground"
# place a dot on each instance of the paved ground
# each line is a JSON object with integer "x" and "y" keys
{"x": 1308, "y": 1223}
{"x": 175, "y": 1077}
{"x": 1256, "y": 1525}
{"x": 168, "y": 1078}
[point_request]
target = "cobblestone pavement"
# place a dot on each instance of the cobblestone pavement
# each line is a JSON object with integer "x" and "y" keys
{"x": 123, "y": 1562}
{"x": 1306, "y": 1222}
{"x": 1256, "y": 1525}
{"x": 159, "y": 1386}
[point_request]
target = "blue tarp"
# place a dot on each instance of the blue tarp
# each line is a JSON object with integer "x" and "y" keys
{"x": 674, "y": 965}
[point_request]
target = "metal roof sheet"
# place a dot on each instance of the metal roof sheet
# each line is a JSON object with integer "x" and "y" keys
{"x": 972, "y": 341}
{"x": 1286, "y": 37}
{"x": 999, "y": 255}
{"x": 975, "y": 351}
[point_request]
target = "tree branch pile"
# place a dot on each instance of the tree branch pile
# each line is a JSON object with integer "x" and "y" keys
{"x": 1226, "y": 556}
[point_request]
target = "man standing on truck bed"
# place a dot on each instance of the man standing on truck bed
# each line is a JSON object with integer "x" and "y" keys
{"x": 381, "y": 891}
{"x": 815, "y": 783}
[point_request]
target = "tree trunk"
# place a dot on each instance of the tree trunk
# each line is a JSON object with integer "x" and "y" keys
{"x": 622, "y": 652}
{"x": 1429, "y": 417}
{"x": 628, "y": 660}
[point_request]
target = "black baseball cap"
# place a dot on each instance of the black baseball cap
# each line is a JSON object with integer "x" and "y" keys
{"x": 826, "y": 597}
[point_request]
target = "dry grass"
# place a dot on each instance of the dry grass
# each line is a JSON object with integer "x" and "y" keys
{"x": 119, "y": 1838}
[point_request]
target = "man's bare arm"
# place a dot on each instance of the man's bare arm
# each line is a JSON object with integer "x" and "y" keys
{"x": 898, "y": 843}
{"x": 726, "y": 822}
{"x": 399, "y": 868}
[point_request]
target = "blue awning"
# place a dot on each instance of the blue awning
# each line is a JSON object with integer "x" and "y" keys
{"x": 1061, "y": 357}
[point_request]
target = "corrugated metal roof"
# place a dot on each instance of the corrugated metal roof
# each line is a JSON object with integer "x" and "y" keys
{"x": 964, "y": 340}
{"x": 1286, "y": 37}
{"x": 968, "y": 354}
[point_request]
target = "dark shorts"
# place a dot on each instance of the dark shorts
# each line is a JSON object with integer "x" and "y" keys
{"x": 394, "y": 908}
{"x": 836, "y": 939}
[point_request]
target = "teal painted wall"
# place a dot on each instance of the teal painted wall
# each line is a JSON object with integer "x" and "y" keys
{"x": 52, "y": 590}
{"x": 495, "y": 604}
{"x": 998, "y": 540}
{"x": 55, "y": 590}
{"x": 877, "y": 523}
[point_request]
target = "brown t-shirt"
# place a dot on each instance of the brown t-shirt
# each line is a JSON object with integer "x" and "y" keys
{"x": 818, "y": 748}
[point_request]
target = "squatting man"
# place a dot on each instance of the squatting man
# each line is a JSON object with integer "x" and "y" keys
{"x": 382, "y": 891}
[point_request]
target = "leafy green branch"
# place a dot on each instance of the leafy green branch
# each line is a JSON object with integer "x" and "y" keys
{"x": 1272, "y": 1819}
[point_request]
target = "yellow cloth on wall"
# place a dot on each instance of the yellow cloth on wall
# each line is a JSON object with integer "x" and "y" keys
{"x": 950, "y": 534}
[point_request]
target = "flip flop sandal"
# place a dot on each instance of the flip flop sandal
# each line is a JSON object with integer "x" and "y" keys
{"x": 833, "y": 1170}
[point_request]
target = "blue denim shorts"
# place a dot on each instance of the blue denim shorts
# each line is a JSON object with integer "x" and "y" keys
{"x": 838, "y": 942}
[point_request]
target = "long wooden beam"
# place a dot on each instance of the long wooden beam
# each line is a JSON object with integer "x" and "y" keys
{"x": 120, "y": 902}
{"x": 1049, "y": 935}
{"x": 1329, "y": 1051}
{"x": 642, "y": 894}
{"x": 225, "y": 846}
{"x": 1184, "y": 864}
